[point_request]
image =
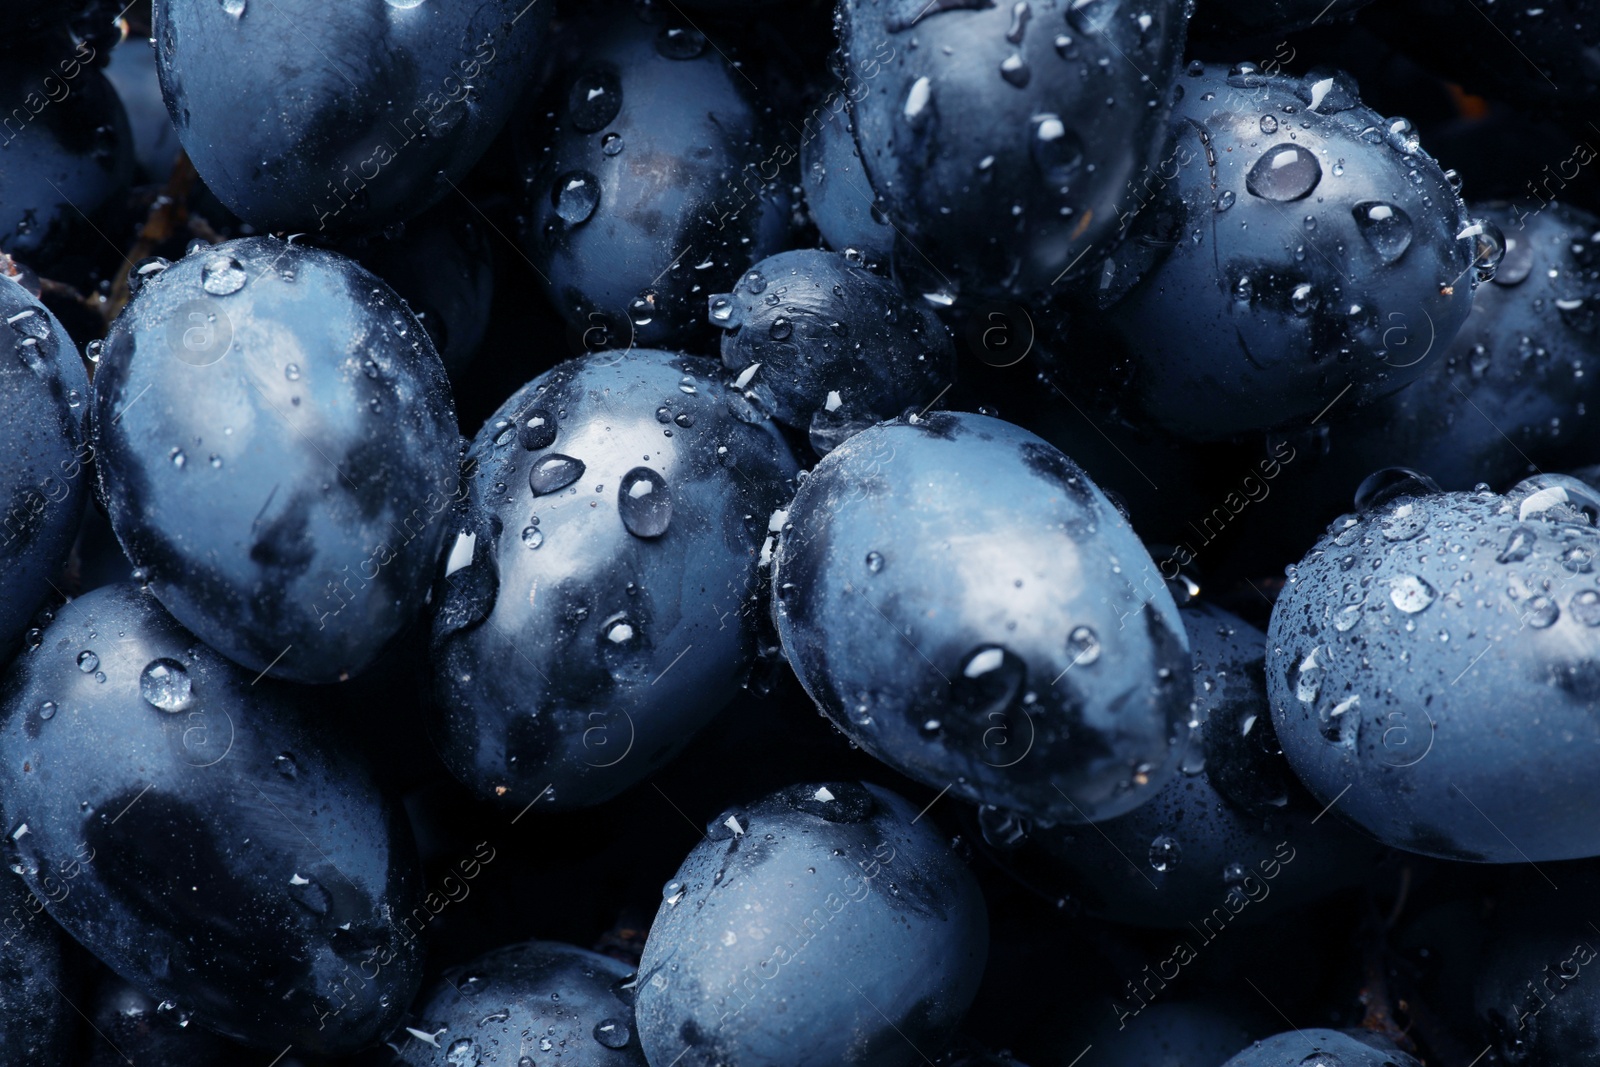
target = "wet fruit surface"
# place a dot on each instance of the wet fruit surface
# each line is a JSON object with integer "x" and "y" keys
{"x": 198, "y": 834}
{"x": 799, "y": 533}
{"x": 1475, "y": 604}
{"x": 1005, "y": 636}
{"x": 1304, "y": 246}
{"x": 816, "y": 877}
{"x": 297, "y": 512}
{"x": 600, "y": 601}
{"x": 392, "y": 106}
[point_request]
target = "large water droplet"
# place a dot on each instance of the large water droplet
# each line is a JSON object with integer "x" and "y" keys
{"x": 1408, "y": 519}
{"x": 919, "y": 111}
{"x": 222, "y": 275}
{"x": 1519, "y": 544}
{"x": 1056, "y": 150}
{"x": 1286, "y": 172}
{"x": 1410, "y": 593}
{"x": 554, "y": 472}
{"x": 536, "y": 429}
{"x": 676, "y": 42}
{"x": 1542, "y": 613}
{"x": 1386, "y": 228}
{"x": 575, "y": 195}
{"x": 644, "y": 502}
{"x": 1488, "y": 246}
{"x": 462, "y": 1053}
{"x": 1390, "y": 484}
{"x": 1308, "y": 677}
{"x": 595, "y": 99}
{"x": 164, "y": 683}
{"x": 29, "y": 323}
{"x": 1339, "y": 722}
{"x": 1585, "y": 607}
{"x": 991, "y": 679}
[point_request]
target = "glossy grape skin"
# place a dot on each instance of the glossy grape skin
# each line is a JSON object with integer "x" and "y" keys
{"x": 988, "y": 139}
{"x": 829, "y": 347}
{"x": 1408, "y": 650}
{"x": 278, "y": 449}
{"x": 1236, "y": 297}
{"x": 1233, "y": 836}
{"x": 572, "y": 655}
{"x": 65, "y": 146}
{"x": 638, "y": 205}
{"x": 539, "y": 995}
{"x": 1323, "y": 1048}
{"x": 967, "y": 606}
{"x": 36, "y": 973}
{"x": 44, "y": 457}
{"x": 392, "y": 107}
{"x": 821, "y": 914}
{"x": 206, "y": 837}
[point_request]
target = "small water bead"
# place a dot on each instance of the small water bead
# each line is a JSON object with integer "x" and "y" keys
{"x": 1083, "y": 644}
{"x": 611, "y": 144}
{"x": 47, "y": 710}
{"x": 292, "y": 372}
{"x": 612, "y": 1033}
{"x": 532, "y": 536}
{"x": 554, "y": 472}
{"x": 164, "y": 684}
{"x": 874, "y": 562}
{"x": 781, "y": 329}
{"x": 1165, "y": 852}
{"x": 88, "y": 662}
{"x": 1269, "y": 124}
{"x": 1015, "y": 70}
{"x": 1303, "y": 299}
{"x": 1057, "y": 151}
{"x": 284, "y": 763}
{"x": 1226, "y": 200}
{"x": 675, "y": 42}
